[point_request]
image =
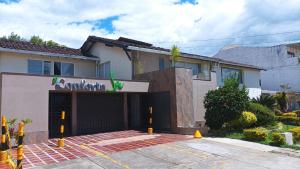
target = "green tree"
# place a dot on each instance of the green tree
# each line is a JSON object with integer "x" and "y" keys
{"x": 282, "y": 100}
{"x": 175, "y": 53}
{"x": 225, "y": 104}
{"x": 51, "y": 43}
{"x": 13, "y": 36}
{"x": 266, "y": 100}
{"x": 36, "y": 40}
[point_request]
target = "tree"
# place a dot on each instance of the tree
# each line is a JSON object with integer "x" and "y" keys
{"x": 225, "y": 104}
{"x": 282, "y": 100}
{"x": 266, "y": 100}
{"x": 175, "y": 53}
{"x": 14, "y": 37}
{"x": 36, "y": 40}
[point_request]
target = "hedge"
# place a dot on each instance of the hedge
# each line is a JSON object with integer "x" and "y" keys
{"x": 256, "y": 134}
{"x": 289, "y": 120}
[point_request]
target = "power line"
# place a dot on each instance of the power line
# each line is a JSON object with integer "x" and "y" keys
{"x": 232, "y": 38}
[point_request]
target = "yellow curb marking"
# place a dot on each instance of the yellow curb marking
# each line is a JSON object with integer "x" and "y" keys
{"x": 104, "y": 156}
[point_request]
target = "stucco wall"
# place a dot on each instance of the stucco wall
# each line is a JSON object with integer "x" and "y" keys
{"x": 120, "y": 64}
{"x": 27, "y": 96}
{"x": 251, "y": 78}
{"x": 281, "y": 69}
{"x": 147, "y": 62}
{"x": 200, "y": 88}
{"x": 18, "y": 63}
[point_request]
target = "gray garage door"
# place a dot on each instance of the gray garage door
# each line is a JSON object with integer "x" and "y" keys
{"x": 99, "y": 112}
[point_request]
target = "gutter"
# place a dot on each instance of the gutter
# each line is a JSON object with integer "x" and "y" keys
{"x": 48, "y": 54}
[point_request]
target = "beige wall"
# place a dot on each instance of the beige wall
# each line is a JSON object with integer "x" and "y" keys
{"x": 145, "y": 62}
{"x": 17, "y": 63}
{"x": 200, "y": 88}
{"x": 27, "y": 96}
{"x": 120, "y": 64}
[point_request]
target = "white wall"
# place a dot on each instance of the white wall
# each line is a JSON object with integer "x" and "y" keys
{"x": 18, "y": 63}
{"x": 251, "y": 79}
{"x": 281, "y": 69}
{"x": 120, "y": 64}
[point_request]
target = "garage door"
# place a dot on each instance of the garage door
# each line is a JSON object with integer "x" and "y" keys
{"x": 99, "y": 112}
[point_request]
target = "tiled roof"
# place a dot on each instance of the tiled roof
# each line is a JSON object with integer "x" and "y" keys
{"x": 23, "y": 45}
{"x": 125, "y": 42}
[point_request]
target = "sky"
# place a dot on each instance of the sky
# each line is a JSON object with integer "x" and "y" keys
{"x": 196, "y": 26}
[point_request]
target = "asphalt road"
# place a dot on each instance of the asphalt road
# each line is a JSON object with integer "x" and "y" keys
{"x": 200, "y": 154}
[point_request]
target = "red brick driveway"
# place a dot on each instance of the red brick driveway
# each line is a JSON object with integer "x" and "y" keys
{"x": 91, "y": 145}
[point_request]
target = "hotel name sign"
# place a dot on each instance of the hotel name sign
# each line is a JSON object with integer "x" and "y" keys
{"x": 60, "y": 83}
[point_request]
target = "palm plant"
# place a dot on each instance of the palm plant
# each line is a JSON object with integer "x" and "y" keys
{"x": 175, "y": 53}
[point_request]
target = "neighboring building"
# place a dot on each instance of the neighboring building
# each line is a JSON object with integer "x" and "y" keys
{"x": 281, "y": 63}
{"x": 38, "y": 82}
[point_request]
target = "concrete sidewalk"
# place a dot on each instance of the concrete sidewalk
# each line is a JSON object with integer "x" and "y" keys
{"x": 203, "y": 153}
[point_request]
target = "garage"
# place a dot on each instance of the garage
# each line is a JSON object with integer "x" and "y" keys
{"x": 99, "y": 112}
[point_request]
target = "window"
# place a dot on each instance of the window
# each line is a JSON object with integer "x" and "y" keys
{"x": 47, "y": 68}
{"x": 196, "y": 68}
{"x": 104, "y": 70}
{"x": 35, "y": 67}
{"x": 161, "y": 63}
{"x": 230, "y": 73}
{"x": 290, "y": 54}
{"x": 39, "y": 67}
{"x": 63, "y": 69}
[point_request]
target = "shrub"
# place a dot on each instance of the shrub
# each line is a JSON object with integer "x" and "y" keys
{"x": 281, "y": 99}
{"x": 296, "y": 133}
{"x": 225, "y": 104}
{"x": 263, "y": 114}
{"x": 290, "y": 114}
{"x": 256, "y": 134}
{"x": 297, "y": 112}
{"x": 289, "y": 120}
{"x": 247, "y": 119}
{"x": 277, "y": 139}
{"x": 266, "y": 100}
{"x": 278, "y": 112}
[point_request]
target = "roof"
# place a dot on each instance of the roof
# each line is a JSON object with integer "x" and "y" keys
{"x": 24, "y": 45}
{"x": 132, "y": 44}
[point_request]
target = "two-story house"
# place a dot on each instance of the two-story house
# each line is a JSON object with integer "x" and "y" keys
{"x": 38, "y": 82}
{"x": 281, "y": 64}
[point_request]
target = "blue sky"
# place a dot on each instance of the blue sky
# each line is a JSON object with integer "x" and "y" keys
{"x": 196, "y": 26}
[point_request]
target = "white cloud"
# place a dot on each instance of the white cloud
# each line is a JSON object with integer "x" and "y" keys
{"x": 162, "y": 22}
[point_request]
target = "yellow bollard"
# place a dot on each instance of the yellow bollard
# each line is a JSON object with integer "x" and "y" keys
{"x": 20, "y": 150}
{"x": 3, "y": 152}
{"x": 61, "y": 141}
{"x": 197, "y": 134}
{"x": 150, "y": 129}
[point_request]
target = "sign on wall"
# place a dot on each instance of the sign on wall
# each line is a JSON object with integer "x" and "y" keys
{"x": 60, "y": 83}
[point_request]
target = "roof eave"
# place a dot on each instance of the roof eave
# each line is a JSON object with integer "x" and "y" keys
{"x": 48, "y": 54}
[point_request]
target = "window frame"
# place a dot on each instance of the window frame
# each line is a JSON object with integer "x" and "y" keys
{"x": 42, "y": 66}
{"x": 61, "y": 65}
{"x": 241, "y": 72}
{"x": 99, "y": 70}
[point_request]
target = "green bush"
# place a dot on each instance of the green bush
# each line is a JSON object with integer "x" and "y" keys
{"x": 266, "y": 100}
{"x": 225, "y": 104}
{"x": 247, "y": 119}
{"x": 282, "y": 99}
{"x": 263, "y": 114}
{"x": 277, "y": 139}
{"x": 289, "y": 120}
{"x": 296, "y": 133}
{"x": 255, "y": 134}
{"x": 290, "y": 114}
{"x": 297, "y": 112}
{"x": 278, "y": 112}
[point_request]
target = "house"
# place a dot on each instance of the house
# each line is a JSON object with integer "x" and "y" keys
{"x": 38, "y": 82}
{"x": 281, "y": 64}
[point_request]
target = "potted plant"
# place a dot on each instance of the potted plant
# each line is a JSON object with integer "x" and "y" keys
{"x": 12, "y": 123}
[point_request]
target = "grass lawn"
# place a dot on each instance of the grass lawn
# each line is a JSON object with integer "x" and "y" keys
{"x": 238, "y": 134}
